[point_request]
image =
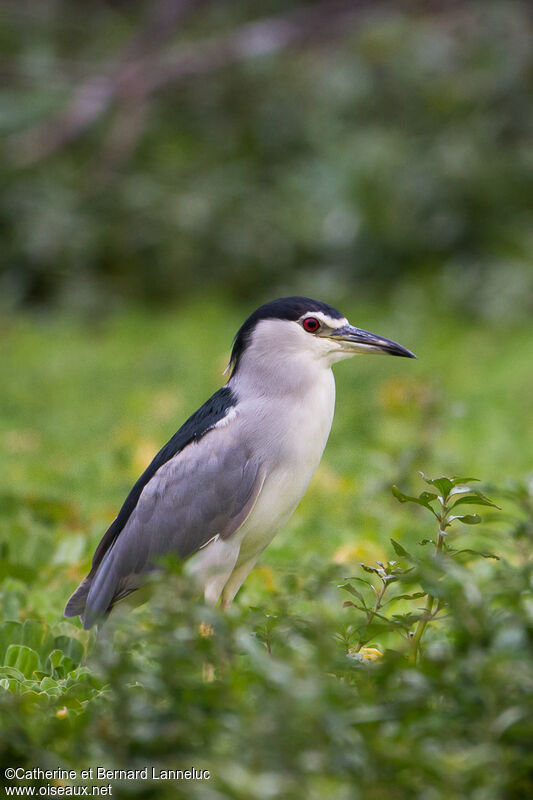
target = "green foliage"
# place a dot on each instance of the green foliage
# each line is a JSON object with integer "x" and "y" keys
{"x": 33, "y": 658}
{"x": 200, "y": 687}
{"x": 282, "y": 686}
{"x": 411, "y": 624}
{"x": 296, "y": 696}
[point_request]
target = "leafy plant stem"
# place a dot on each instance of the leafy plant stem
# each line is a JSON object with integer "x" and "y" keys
{"x": 422, "y": 623}
{"x": 372, "y": 613}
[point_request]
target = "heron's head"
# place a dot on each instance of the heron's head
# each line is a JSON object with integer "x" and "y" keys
{"x": 296, "y": 329}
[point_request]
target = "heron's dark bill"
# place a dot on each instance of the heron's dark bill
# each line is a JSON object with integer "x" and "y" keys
{"x": 363, "y": 341}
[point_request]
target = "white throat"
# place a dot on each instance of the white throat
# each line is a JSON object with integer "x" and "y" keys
{"x": 287, "y": 396}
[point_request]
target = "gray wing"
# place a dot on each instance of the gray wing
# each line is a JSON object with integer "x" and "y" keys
{"x": 208, "y": 488}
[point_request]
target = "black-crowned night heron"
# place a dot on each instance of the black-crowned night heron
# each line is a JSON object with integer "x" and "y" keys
{"x": 233, "y": 474}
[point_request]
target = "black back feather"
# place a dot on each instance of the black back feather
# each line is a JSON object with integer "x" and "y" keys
{"x": 191, "y": 431}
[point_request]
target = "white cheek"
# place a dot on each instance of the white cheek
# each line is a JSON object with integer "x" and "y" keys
{"x": 330, "y": 351}
{"x": 340, "y": 355}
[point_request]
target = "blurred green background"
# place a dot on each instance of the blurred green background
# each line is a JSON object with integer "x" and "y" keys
{"x": 154, "y": 152}
{"x": 166, "y": 167}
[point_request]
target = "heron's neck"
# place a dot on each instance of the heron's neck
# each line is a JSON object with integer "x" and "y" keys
{"x": 285, "y": 411}
{"x": 280, "y": 375}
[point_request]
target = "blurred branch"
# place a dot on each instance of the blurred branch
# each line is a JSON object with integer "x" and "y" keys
{"x": 305, "y": 25}
{"x": 138, "y": 74}
{"x": 141, "y": 71}
{"x": 160, "y": 26}
{"x": 94, "y": 96}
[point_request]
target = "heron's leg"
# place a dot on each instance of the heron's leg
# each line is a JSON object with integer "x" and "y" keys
{"x": 212, "y": 565}
{"x": 236, "y": 580}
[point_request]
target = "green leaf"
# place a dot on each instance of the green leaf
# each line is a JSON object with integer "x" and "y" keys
{"x": 53, "y": 662}
{"x": 456, "y": 553}
{"x": 467, "y": 519}
{"x": 10, "y": 633}
{"x": 399, "y": 550}
{"x": 32, "y": 633}
{"x": 414, "y": 596}
{"x": 50, "y": 686}
{"x": 424, "y": 498}
{"x": 35, "y": 634}
{"x": 22, "y": 658}
{"x": 475, "y": 499}
{"x": 443, "y": 484}
{"x": 402, "y": 497}
{"x": 11, "y": 672}
{"x": 59, "y": 665}
{"x": 460, "y": 490}
{"x": 362, "y": 580}
{"x": 349, "y": 588}
{"x": 427, "y": 497}
{"x": 367, "y": 568}
{"x": 70, "y": 647}
{"x": 407, "y": 620}
{"x": 55, "y": 658}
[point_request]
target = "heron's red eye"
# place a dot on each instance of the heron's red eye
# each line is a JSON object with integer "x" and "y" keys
{"x": 311, "y": 324}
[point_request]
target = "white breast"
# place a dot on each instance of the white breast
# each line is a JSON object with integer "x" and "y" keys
{"x": 289, "y": 436}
